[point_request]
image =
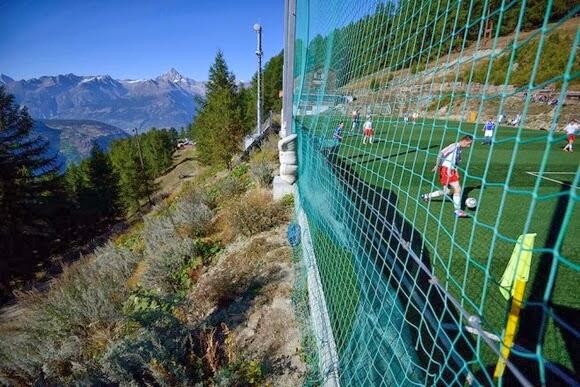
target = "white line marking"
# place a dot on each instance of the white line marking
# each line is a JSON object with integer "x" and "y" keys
{"x": 547, "y": 178}
{"x": 557, "y": 173}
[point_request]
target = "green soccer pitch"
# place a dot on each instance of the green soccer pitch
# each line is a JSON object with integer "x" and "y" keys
{"x": 522, "y": 183}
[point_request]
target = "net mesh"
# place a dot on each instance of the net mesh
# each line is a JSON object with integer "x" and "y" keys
{"x": 413, "y": 292}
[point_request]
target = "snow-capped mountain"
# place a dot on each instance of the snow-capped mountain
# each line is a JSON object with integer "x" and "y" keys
{"x": 168, "y": 100}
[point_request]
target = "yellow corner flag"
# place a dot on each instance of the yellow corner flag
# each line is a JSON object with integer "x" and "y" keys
{"x": 513, "y": 283}
{"x": 518, "y": 266}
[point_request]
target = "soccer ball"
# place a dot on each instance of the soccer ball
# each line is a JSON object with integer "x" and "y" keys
{"x": 471, "y": 202}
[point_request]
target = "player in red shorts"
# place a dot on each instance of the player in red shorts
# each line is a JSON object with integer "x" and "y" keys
{"x": 447, "y": 162}
{"x": 571, "y": 130}
{"x": 368, "y": 132}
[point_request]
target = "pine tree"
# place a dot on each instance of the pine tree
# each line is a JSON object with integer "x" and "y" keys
{"x": 103, "y": 187}
{"x": 135, "y": 182}
{"x": 220, "y": 77}
{"x": 218, "y": 127}
{"x": 28, "y": 181}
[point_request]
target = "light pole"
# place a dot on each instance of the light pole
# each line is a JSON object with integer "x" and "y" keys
{"x": 259, "y": 53}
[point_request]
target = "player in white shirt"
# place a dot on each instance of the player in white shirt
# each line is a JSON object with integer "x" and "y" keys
{"x": 368, "y": 132}
{"x": 571, "y": 130}
{"x": 447, "y": 162}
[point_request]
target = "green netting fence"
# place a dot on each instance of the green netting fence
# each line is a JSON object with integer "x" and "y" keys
{"x": 413, "y": 292}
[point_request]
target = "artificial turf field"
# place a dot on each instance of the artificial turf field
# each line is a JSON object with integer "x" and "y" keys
{"x": 469, "y": 255}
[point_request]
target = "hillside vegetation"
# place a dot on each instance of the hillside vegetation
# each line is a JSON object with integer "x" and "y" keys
{"x": 197, "y": 292}
{"x": 47, "y": 213}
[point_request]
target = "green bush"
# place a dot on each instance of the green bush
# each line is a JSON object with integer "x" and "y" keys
{"x": 241, "y": 373}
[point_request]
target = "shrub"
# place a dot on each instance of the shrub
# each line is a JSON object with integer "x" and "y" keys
{"x": 287, "y": 201}
{"x": 61, "y": 332}
{"x": 241, "y": 373}
{"x": 239, "y": 171}
{"x": 132, "y": 239}
{"x": 168, "y": 264}
{"x": 262, "y": 171}
{"x": 192, "y": 213}
{"x": 159, "y": 353}
{"x": 227, "y": 188}
{"x": 256, "y": 212}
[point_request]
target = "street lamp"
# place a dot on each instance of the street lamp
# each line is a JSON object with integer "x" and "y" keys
{"x": 259, "y": 53}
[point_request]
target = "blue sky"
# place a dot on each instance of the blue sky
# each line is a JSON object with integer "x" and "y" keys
{"x": 133, "y": 39}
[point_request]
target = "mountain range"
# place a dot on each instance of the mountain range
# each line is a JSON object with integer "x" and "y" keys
{"x": 71, "y": 140}
{"x": 166, "y": 101}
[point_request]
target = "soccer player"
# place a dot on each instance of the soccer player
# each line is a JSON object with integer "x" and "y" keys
{"x": 447, "y": 162}
{"x": 355, "y": 119}
{"x": 337, "y": 135}
{"x": 571, "y": 130}
{"x": 368, "y": 132}
{"x": 488, "y": 130}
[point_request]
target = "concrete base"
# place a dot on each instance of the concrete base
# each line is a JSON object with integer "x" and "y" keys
{"x": 281, "y": 188}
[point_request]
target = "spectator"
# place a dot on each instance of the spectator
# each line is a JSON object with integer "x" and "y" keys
{"x": 500, "y": 118}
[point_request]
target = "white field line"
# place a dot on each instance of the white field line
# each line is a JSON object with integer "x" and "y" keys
{"x": 550, "y": 179}
{"x": 556, "y": 173}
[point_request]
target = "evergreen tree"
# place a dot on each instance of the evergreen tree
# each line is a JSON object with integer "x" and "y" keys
{"x": 273, "y": 83}
{"x": 248, "y": 99}
{"x": 135, "y": 182}
{"x": 220, "y": 77}
{"x": 103, "y": 187}
{"x": 218, "y": 127}
{"x": 158, "y": 147}
{"x": 28, "y": 182}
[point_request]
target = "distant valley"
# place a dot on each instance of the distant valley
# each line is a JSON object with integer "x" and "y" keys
{"x": 163, "y": 102}
{"x": 72, "y": 140}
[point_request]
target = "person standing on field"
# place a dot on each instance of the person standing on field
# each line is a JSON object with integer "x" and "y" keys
{"x": 368, "y": 132}
{"x": 570, "y": 130}
{"x": 447, "y": 163}
{"x": 355, "y": 119}
{"x": 337, "y": 135}
{"x": 488, "y": 130}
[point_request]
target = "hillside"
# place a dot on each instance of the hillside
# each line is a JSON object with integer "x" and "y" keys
{"x": 165, "y": 101}
{"x": 456, "y": 84}
{"x": 72, "y": 140}
{"x": 202, "y": 290}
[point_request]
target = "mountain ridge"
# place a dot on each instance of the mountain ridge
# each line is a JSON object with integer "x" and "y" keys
{"x": 165, "y": 101}
{"x": 71, "y": 140}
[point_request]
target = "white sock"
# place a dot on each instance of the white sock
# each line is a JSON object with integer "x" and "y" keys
{"x": 457, "y": 201}
{"x": 435, "y": 194}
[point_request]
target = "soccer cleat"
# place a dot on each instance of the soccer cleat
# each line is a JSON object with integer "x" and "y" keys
{"x": 425, "y": 198}
{"x": 461, "y": 214}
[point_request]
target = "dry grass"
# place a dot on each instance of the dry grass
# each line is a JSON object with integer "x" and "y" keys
{"x": 255, "y": 212}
